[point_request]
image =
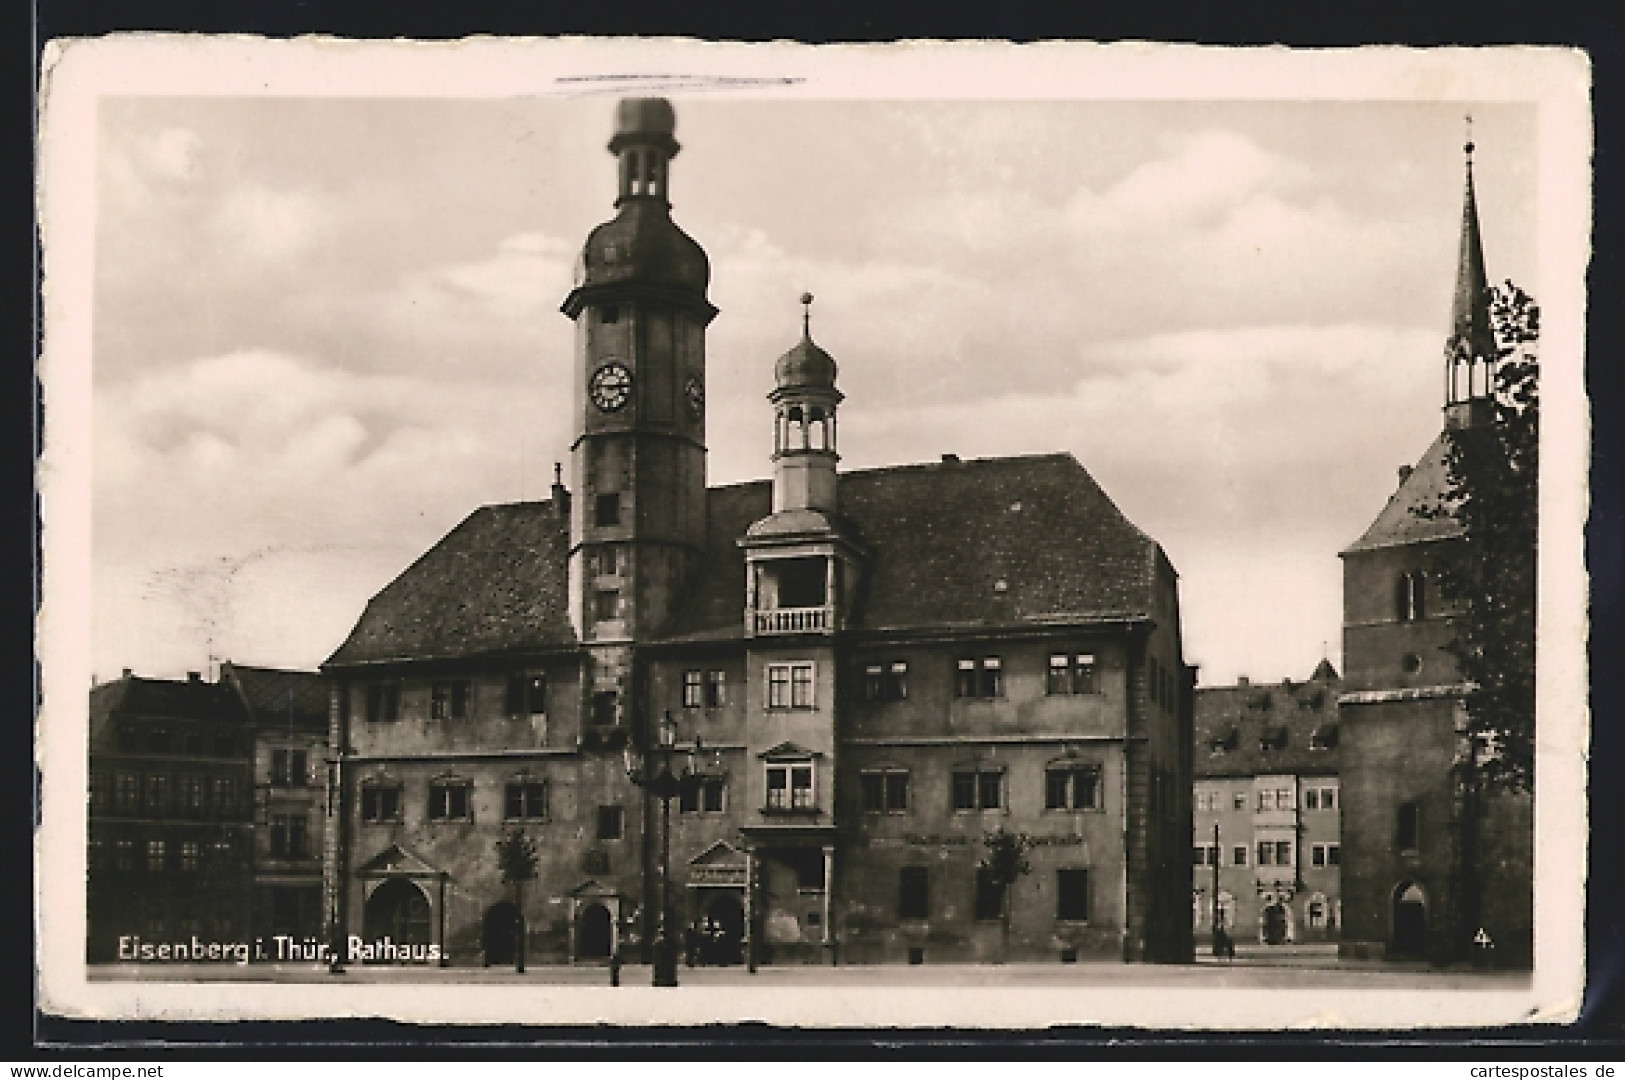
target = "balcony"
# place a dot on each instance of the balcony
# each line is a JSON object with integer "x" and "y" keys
{"x": 795, "y": 620}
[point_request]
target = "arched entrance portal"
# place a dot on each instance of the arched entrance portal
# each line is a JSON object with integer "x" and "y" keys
{"x": 722, "y": 930}
{"x": 500, "y": 934}
{"x": 595, "y": 934}
{"x": 1410, "y": 919}
{"x": 1274, "y": 928}
{"x": 398, "y": 910}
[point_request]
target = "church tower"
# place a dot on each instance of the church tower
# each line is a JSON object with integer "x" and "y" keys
{"x": 638, "y": 461}
{"x": 1470, "y": 351}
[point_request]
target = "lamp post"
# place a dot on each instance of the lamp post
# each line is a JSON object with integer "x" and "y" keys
{"x": 656, "y": 777}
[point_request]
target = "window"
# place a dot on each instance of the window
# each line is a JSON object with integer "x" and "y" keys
{"x": 611, "y": 823}
{"x": 225, "y": 794}
{"x": 1072, "y": 895}
{"x": 978, "y": 789}
{"x": 380, "y": 802}
{"x": 288, "y": 836}
{"x": 449, "y": 801}
{"x": 1238, "y": 855}
{"x": 1071, "y": 673}
{"x": 1408, "y": 827}
{"x": 525, "y": 800}
{"x": 604, "y": 708}
{"x": 1410, "y": 596}
{"x": 383, "y": 702}
{"x": 220, "y": 853}
{"x": 704, "y": 797}
{"x": 1072, "y": 787}
{"x": 989, "y": 895}
{"x": 609, "y": 314}
{"x": 190, "y": 855}
{"x": 1315, "y": 912}
{"x": 1275, "y": 799}
{"x": 609, "y": 560}
{"x": 1238, "y": 800}
{"x": 693, "y": 689}
{"x": 716, "y": 689}
{"x": 288, "y": 768}
{"x": 155, "y": 855}
{"x": 886, "y": 682}
{"x": 449, "y": 700}
{"x": 1325, "y": 854}
{"x": 129, "y": 738}
{"x": 157, "y": 792}
{"x": 526, "y": 695}
{"x": 124, "y": 855}
{"x": 1204, "y": 854}
{"x": 158, "y": 740}
{"x": 913, "y": 892}
{"x": 124, "y": 791}
{"x": 885, "y": 791}
{"x": 982, "y": 678}
{"x": 705, "y": 689}
{"x": 790, "y": 686}
{"x": 607, "y": 510}
{"x": 790, "y": 786}
{"x": 1320, "y": 798}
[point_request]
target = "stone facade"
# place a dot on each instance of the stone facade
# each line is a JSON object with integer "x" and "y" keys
{"x": 851, "y": 679}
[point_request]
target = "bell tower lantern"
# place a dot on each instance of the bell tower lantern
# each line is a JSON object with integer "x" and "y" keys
{"x": 804, "y": 399}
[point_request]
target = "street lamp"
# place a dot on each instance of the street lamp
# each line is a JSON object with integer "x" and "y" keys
{"x": 657, "y": 778}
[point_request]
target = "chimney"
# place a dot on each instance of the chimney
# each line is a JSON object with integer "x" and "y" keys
{"x": 1243, "y": 682}
{"x": 950, "y": 459}
{"x": 128, "y": 673}
{"x": 561, "y": 494}
{"x": 194, "y": 676}
{"x": 1405, "y": 473}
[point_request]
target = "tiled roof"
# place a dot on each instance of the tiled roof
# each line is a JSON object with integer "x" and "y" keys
{"x": 993, "y": 542}
{"x": 279, "y": 697}
{"x": 1235, "y": 723}
{"x": 1400, "y": 522}
{"x": 495, "y": 583}
{"x": 162, "y": 699}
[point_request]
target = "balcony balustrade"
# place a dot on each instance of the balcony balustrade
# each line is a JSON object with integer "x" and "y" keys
{"x": 798, "y": 620}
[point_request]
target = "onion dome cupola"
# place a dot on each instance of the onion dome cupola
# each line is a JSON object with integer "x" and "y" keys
{"x": 1470, "y": 352}
{"x": 642, "y": 247}
{"x": 804, "y": 401}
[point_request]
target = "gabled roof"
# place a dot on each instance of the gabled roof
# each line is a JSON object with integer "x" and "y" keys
{"x": 983, "y": 543}
{"x": 396, "y": 860}
{"x": 1235, "y": 724}
{"x": 162, "y": 699}
{"x": 1401, "y": 521}
{"x": 279, "y": 698}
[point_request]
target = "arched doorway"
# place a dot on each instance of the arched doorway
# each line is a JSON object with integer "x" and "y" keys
{"x": 725, "y": 918}
{"x": 500, "y": 935}
{"x": 595, "y": 933}
{"x": 1410, "y": 919}
{"x": 1274, "y": 924}
{"x": 398, "y": 910}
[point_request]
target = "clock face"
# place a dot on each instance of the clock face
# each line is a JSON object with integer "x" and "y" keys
{"x": 696, "y": 396}
{"x": 611, "y": 386}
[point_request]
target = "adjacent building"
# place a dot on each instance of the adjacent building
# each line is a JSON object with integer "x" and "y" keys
{"x": 287, "y": 711}
{"x": 1402, "y": 703}
{"x": 171, "y": 815}
{"x": 864, "y": 674}
{"x": 1267, "y": 837}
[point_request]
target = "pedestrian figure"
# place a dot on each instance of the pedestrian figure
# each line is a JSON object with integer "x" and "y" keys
{"x": 615, "y": 968}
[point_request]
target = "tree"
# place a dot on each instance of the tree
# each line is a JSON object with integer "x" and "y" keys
{"x": 1005, "y": 864}
{"x": 516, "y": 856}
{"x": 1492, "y": 494}
{"x": 1490, "y": 577}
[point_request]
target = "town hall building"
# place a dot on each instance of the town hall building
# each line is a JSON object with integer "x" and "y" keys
{"x": 850, "y": 680}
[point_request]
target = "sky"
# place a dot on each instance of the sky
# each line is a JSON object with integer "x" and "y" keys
{"x": 325, "y": 330}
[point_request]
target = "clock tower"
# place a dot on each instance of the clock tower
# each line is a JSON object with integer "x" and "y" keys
{"x": 638, "y": 460}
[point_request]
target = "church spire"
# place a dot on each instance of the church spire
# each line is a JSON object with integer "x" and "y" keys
{"x": 1470, "y": 351}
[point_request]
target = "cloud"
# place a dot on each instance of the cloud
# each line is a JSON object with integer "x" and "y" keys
{"x": 173, "y": 154}
{"x": 270, "y": 224}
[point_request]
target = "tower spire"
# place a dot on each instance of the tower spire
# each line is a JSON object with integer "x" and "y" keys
{"x": 1470, "y": 350}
